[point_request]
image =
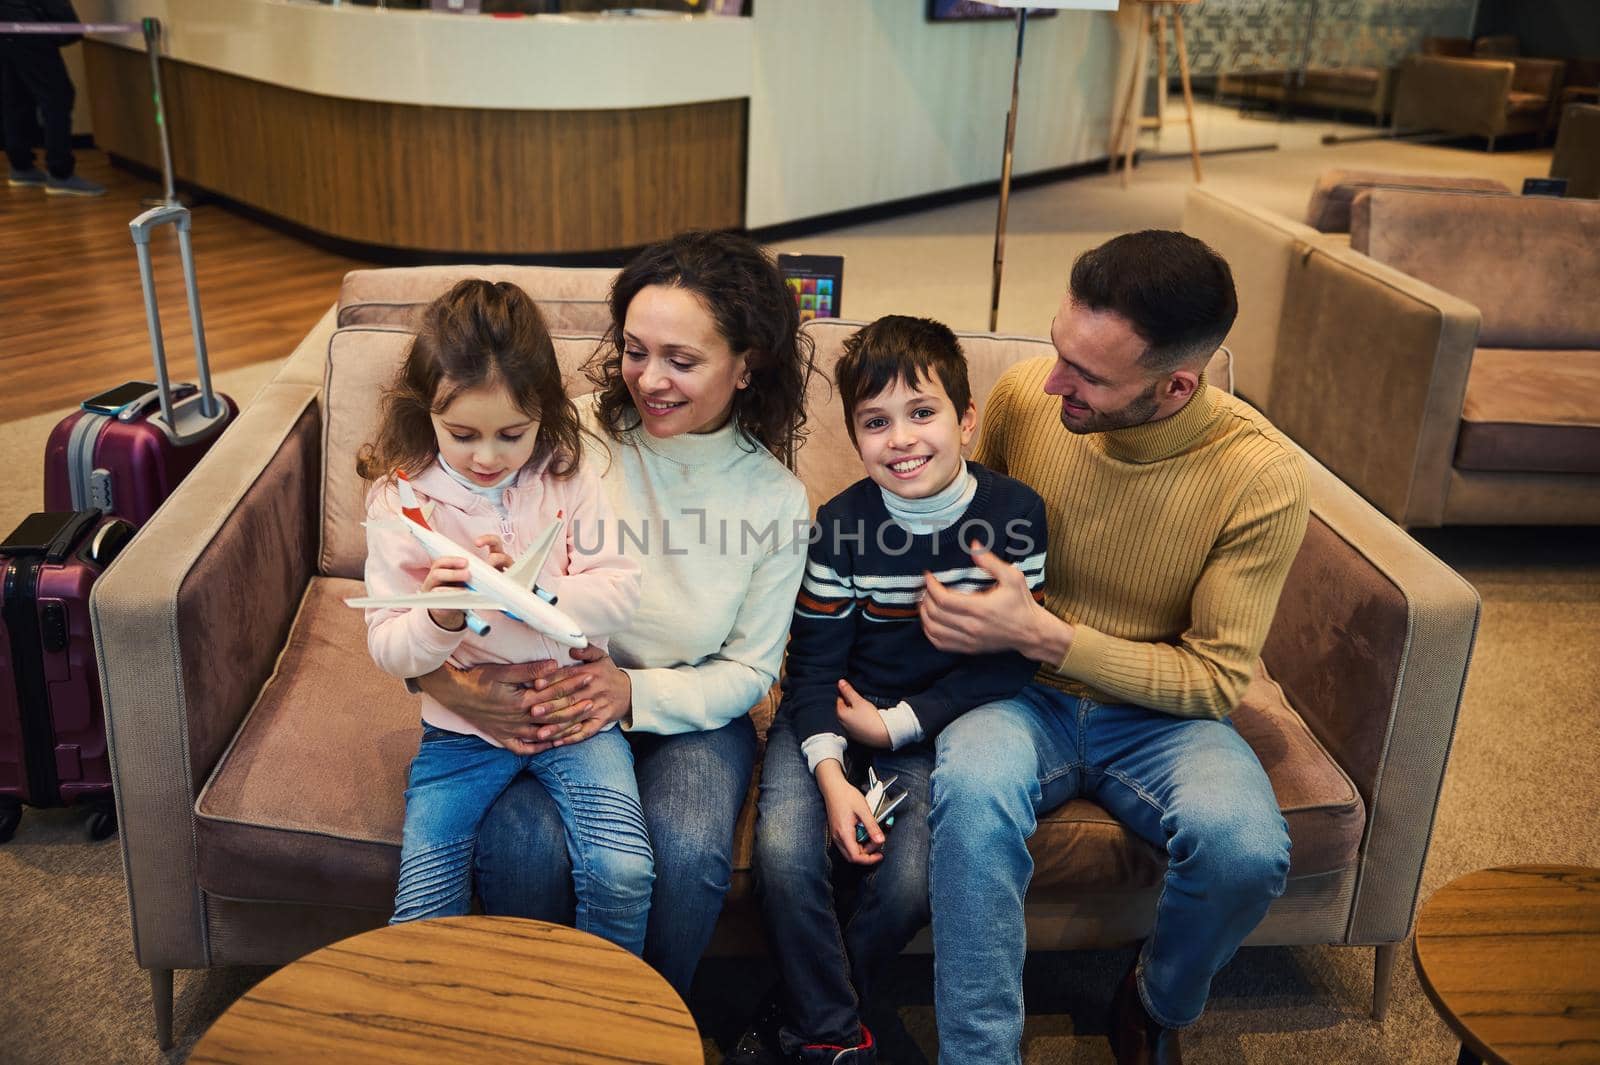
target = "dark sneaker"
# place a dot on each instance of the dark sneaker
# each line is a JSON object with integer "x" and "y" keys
{"x": 864, "y": 1052}
{"x": 73, "y": 186}
{"x": 32, "y": 177}
{"x": 759, "y": 1043}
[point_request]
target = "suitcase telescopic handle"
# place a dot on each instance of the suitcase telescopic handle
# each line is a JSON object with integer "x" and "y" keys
{"x": 141, "y": 228}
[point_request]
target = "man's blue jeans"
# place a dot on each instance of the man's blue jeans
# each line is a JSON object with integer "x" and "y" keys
{"x": 825, "y": 967}
{"x": 1192, "y": 787}
{"x": 692, "y": 786}
{"x": 454, "y": 780}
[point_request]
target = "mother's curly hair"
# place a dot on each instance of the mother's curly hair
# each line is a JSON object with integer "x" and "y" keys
{"x": 755, "y": 312}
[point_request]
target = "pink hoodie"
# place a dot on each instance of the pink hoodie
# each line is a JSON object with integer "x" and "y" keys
{"x": 599, "y": 589}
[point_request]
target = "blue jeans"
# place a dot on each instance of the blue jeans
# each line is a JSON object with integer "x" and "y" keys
{"x": 692, "y": 786}
{"x": 454, "y": 780}
{"x": 1191, "y": 787}
{"x": 825, "y": 968}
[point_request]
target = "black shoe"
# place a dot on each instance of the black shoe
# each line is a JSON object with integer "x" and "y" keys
{"x": 759, "y": 1043}
{"x": 1136, "y": 1038}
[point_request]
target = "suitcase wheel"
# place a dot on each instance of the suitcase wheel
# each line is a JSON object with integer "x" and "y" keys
{"x": 10, "y": 817}
{"x": 102, "y": 825}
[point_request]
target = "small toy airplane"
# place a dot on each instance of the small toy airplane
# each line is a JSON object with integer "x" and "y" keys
{"x": 881, "y": 801}
{"x": 514, "y": 593}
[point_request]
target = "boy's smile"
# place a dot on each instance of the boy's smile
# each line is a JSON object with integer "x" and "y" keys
{"x": 910, "y": 437}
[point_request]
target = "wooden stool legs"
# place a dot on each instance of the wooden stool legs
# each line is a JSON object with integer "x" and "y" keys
{"x": 1130, "y": 118}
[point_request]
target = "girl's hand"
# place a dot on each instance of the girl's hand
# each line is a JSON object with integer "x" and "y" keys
{"x": 860, "y": 719}
{"x": 497, "y": 556}
{"x": 847, "y": 808}
{"x": 444, "y": 573}
{"x": 579, "y": 700}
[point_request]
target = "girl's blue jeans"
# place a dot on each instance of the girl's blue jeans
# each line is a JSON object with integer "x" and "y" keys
{"x": 1191, "y": 787}
{"x": 456, "y": 778}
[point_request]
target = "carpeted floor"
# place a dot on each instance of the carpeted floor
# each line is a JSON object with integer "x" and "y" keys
{"x": 1521, "y": 785}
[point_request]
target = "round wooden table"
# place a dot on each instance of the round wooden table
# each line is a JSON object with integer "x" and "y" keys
{"x": 460, "y": 989}
{"x": 1511, "y": 959}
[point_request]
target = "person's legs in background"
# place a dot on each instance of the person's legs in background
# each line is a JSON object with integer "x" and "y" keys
{"x": 18, "y": 111}
{"x": 692, "y": 786}
{"x": 38, "y": 65}
{"x": 1194, "y": 788}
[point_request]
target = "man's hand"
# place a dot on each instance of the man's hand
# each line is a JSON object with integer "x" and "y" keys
{"x": 493, "y": 698}
{"x": 860, "y": 719}
{"x": 847, "y": 808}
{"x": 574, "y": 702}
{"x": 1003, "y": 617}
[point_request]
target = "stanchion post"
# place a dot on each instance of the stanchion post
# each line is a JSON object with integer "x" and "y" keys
{"x": 152, "y": 47}
{"x": 1005, "y": 178}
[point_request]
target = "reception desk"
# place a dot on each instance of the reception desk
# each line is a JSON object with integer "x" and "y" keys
{"x": 434, "y": 133}
{"x": 556, "y": 137}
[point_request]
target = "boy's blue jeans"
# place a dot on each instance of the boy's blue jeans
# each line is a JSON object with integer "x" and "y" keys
{"x": 1192, "y": 787}
{"x": 826, "y": 968}
{"x": 454, "y": 780}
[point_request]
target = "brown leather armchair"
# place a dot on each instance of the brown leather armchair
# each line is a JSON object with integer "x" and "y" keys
{"x": 1489, "y": 98}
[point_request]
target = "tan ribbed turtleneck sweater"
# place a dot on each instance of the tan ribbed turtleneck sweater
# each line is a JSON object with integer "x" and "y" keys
{"x": 1169, "y": 541}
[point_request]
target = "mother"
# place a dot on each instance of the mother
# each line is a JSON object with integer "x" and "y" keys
{"x": 699, "y": 403}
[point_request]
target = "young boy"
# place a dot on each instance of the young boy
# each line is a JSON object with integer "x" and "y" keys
{"x": 862, "y": 677}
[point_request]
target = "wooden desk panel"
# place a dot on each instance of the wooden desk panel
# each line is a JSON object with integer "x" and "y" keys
{"x": 441, "y": 179}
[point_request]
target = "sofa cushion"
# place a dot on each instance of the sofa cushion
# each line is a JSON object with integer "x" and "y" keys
{"x": 1528, "y": 263}
{"x": 1329, "y": 209}
{"x": 572, "y": 300}
{"x": 362, "y": 362}
{"x": 329, "y": 715}
{"x": 1531, "y": 412}
{"x": 828, "y": 462}
{"x": 1526, "y": 103}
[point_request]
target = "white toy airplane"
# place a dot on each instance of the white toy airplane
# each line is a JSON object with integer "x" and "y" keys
{"x": 513, "y": 593}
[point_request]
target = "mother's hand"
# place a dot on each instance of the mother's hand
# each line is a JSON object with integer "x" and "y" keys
{"x": 495, "y": 699}
{"x": 576, "y": 701}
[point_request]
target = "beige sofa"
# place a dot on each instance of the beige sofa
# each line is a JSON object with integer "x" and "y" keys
{"x": 1365, "y": 89}
{"x": 259, "y": 757}
{"x": 1445, "y": 362}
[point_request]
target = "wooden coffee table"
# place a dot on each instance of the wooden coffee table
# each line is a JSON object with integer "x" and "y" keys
{"x": 460, "y": 989}
{"x": 1511, "y": 959}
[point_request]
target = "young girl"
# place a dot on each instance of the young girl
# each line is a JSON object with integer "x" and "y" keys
{"x": 480, "y": 424}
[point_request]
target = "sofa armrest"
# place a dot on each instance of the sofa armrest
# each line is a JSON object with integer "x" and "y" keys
{"x": 308, "y": 363}
{"x": 1539, "y": 76}
{"x": 188, "y": 623}
{"x": 1371, "y": 642}
{"x": 1454, "y": 95}
{"x": 1370, "y": 375}
{"x": 1260, "y": 247}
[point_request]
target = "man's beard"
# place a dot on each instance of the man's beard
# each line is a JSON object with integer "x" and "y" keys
{"x": 1137, "y": 412}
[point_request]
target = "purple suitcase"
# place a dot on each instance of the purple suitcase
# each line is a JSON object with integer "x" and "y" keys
{"x": 128, "y": 448}
{"x": 52, "y": 730}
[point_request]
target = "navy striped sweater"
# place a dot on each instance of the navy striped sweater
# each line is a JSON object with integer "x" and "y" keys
{"x": 856, "y": 615}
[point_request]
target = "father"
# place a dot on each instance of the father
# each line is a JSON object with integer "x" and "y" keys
{"x": 1175, "y": 511}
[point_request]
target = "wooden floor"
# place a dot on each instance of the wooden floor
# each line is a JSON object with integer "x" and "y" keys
{"x": 71, "y": 314}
